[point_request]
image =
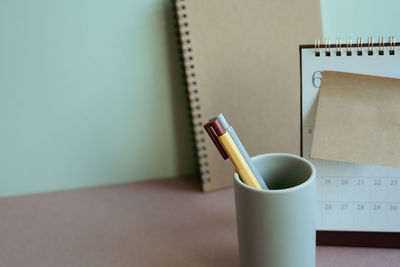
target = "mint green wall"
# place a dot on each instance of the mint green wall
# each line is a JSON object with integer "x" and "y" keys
{"x": 360, "y": 18}
{"x": 90, "y": 93}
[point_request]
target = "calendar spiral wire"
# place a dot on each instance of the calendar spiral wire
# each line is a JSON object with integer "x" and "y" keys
{"x": 369, "y": 48}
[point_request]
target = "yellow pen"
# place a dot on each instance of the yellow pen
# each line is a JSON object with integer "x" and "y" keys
{"x": 227, "y": 147}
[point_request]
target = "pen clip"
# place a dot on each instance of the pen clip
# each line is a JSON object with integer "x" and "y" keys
{"x": 212, "y": 127}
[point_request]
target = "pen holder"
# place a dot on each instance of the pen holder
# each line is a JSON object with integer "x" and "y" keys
{"x": 276, "y": 227}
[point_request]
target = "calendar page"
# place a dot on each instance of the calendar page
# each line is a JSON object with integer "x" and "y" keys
{"x": 350, "y": 197}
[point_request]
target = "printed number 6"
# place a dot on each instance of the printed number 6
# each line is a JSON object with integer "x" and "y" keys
{"x": 316, "y": 79}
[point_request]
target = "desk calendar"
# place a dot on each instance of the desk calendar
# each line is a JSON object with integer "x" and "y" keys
{"x": 352, "y": 199}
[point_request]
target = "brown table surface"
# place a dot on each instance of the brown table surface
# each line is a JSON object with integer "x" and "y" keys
{"x": 166, "y": 222}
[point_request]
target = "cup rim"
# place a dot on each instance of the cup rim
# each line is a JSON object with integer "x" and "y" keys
{"x": 309, "y": 180}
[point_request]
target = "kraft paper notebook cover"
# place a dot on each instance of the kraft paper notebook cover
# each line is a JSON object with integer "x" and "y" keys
{"x": 241, "y": 59}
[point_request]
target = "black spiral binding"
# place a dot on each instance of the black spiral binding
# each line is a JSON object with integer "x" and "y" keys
{"x": 192, "y": 88}
{"x": 348, "y": 47}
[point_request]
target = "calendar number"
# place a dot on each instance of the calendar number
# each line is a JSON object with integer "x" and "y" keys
{"x": 316, "y": 79}
{"x": 377, "y": 207}
{"x": 344, "y": 182}
{"x": 377, "y": 182}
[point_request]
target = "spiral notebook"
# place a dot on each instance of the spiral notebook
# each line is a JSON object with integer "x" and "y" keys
{"x": 241, "y": 59}
{"x": 357, "y": 204}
